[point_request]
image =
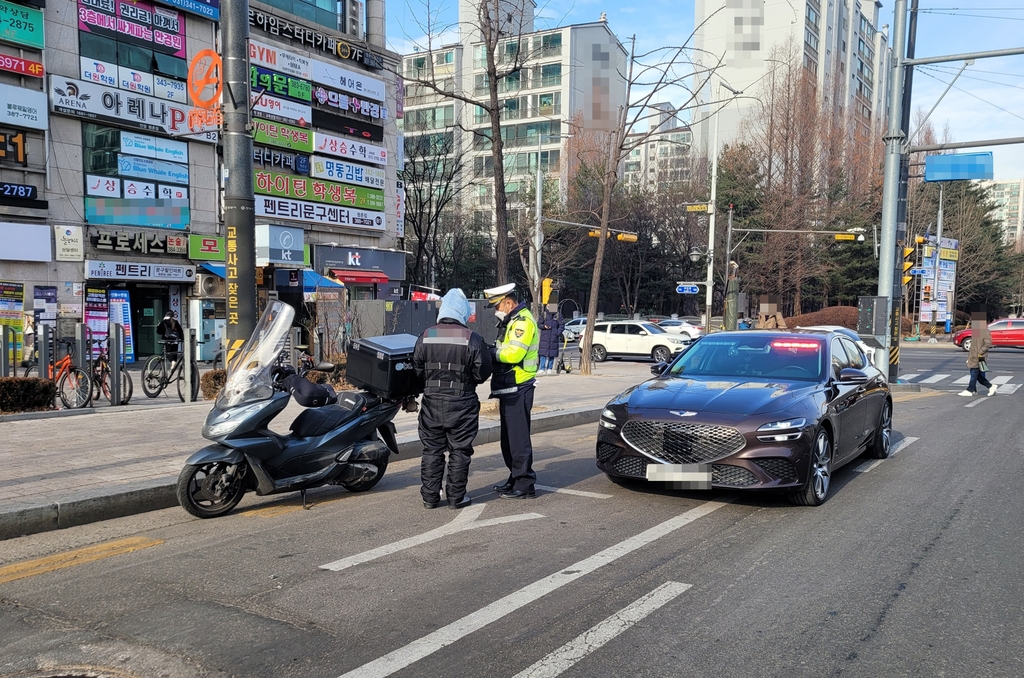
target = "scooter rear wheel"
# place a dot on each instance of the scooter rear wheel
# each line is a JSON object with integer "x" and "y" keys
{"x": 364, "y": 485}
{"x": 206, "y": 491}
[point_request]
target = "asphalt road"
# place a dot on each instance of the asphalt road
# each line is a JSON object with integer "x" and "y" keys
{"x": 912, "y": 568}
{"x": 945, "y": 368}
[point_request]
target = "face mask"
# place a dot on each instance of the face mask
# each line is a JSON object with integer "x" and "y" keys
{"x": 500, "y": 315}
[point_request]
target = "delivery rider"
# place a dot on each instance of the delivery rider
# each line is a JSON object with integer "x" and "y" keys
{"x": 515, "y": 360}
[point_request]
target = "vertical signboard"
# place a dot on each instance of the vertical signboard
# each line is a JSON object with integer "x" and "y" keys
{"x": 12, "y": 309}
{"x": 121, "y": 314}
{"x": 96, "y": 314}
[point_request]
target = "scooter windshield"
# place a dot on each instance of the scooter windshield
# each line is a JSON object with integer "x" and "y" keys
{"x": 250, "y": 376}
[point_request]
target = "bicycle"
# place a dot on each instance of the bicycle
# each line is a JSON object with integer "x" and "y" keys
{"x": 101, "y": 377}
{"x": 156, "y": 376}
{"x": 73, "y": 383}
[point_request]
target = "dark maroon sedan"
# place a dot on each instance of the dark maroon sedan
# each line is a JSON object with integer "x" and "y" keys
{"x": 752, "y": 410}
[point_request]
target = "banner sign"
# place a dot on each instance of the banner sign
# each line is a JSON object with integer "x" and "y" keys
{"x": 281, "y": 109}
{"x": 279, "y": 60}
{"x": 279, "y": 245}
{"x": 280, "y": 85}
{"x": 91, "y": 101}
{"x": 139, "y": 241}
{"x": 349, "y": 172}
{"x": 13, "y": 64}
{"x": 22, "y": 107}
{"x": 302, "y": 188}
{"x": 126, "y": 270}
{"x": 352, "y": 82}
{"x": 349, "y": 148}
{"x": 315, "y": 39}
{"x": 282, "y": 208}
{"x": 101, "y": 72}
{"x": 70, "y": 244}
{"x": 283, "y": 136}
{"x": 21, "y": 25}
{"x": 135, "y": 81}
{"x": 355, "y": 128}
{"x": 154, "y": 147}
{"x": 18, "y": 191}
{"x": 97, "y": 313}
{"x": 12, "y": 310}
{"x": 344, "y": 102}
{"x": 147, "y": 168}
{"x": 399, "y": 209}
{"x": 121, "y": 314}
{"x": 204, "y": 8}
{"x": 173, "y": 214}
{"x": 206, "y": 248}
{"x": 135, "y": 22}
{"x": 131, "y": 189}
{"x": 44, "y": 305}
{"x": 271, "y": 158}
{"x": 170, "y": 89}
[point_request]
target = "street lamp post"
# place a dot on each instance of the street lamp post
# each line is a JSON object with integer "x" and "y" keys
{"x": 538, "y": 227}
{"x": 709, "y": 291}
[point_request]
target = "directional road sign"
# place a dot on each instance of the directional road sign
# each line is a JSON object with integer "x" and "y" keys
{"x": 922, "y": 271}
{"x": 687, "y": 289}
{"x": 697, "y": 208}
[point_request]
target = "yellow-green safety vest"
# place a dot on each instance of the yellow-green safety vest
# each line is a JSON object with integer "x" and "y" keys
{"x": 520, "y": 346}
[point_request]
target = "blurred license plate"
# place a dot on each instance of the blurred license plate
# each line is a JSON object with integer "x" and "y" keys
{"x": 690, "y": 476}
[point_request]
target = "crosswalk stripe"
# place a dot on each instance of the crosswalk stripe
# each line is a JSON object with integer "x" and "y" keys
{"x": 934, "y": 379}
{"x": 1000, "y": 380}
{"x": 908, "y": 377}
{"x": 1008, "y": 389}
{"x": 962, "y": 380}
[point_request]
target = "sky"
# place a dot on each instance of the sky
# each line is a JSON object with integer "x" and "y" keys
{"x": 986, "y": 102}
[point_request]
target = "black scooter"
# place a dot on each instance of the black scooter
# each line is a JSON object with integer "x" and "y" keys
{"x": 346, "y": 440}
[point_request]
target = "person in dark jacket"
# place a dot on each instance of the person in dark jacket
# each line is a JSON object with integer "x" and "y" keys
{"x": 170, "y": 330}
{"x": 452, "y": 360}
{"x": 552, "y": 324}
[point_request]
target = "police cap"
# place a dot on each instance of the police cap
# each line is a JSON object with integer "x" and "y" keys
{"x": 494, "y": 295}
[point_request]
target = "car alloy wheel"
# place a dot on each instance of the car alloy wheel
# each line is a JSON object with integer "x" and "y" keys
{"x": 598, "y": 354}
{"x": 882, "y": 441}
{"x": 661, "y": 354}
{"x": 819, "y": 476}
{"x": 966, "y": 345}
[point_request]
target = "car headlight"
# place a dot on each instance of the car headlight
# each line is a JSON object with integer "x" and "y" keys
{"x": 677, "y": 341}
{"x": 608, "y": 415}
{"x": 783, "y": 425}
{"x": 782, "y": 431}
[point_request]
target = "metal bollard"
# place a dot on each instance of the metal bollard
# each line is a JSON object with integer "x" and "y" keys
{"x": 294, "y": 352}
{"x": 114, "y": 353}
{"x": 44, "y": 335}
{"x": 8, "y": 355}
{"x": 190, "y": 351}
{"x": 82, "y": 349}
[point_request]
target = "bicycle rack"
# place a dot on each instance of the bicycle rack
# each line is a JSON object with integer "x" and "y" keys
{"x": 83, "y": 358}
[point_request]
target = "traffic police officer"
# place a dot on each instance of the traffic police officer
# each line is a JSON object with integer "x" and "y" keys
{"x": 452, "y": 360}
{"x": 512, "y": 383}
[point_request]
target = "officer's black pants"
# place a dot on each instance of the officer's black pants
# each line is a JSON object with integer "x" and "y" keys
{"x": 516, "y": 447}
{"x": 447, "y": 424}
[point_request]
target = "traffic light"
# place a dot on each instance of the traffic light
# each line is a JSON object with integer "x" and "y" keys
{"x": 626, "y": 237}
{"x": 926, "y": 294}
{"x": 908, "y": 253}
{"x": 594, "y": 234}
{"x": 545, "y": 290}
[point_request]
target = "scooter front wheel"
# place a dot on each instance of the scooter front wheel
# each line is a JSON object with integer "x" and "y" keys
{"x": 211, "y": 490}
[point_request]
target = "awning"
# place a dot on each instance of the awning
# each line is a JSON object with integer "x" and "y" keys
{"x": 216, "y": 269}
{"x": 359, "y": 277}
{"x": 311, "y": 280}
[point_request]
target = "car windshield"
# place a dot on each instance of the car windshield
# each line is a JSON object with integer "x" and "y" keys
{"x": 653, "y": 329}
{"x": 768, "y": 357}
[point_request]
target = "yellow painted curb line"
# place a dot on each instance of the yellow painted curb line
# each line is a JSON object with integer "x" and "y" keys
{"x": 31, "y": 568}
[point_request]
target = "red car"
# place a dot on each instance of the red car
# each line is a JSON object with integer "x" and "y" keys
{"x": 1005, "y": 332}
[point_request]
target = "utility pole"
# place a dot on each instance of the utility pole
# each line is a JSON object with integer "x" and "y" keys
{"x": 890, "y": 190}
{"x": 239, "y": 201}
{"x": 538, "y": 235}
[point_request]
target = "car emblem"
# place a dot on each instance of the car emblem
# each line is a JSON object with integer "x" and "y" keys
{"x": 683, "y": 413}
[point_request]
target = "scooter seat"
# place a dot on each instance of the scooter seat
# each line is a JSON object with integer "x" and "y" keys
{"x": 318, "y": 421}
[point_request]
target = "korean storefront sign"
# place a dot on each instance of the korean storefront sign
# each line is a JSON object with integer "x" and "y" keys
{"x": 70, "y": 244}
{"x": 24, "y": 242}
{"x": 349, "y": 148}
{"x": 206, "y": 248}
{"x": 268, "y": 157}
{"x": 283, "y": 136}
{"x": 22, "y": 107}
{"x": 148, "y": 168}
{"x": 280, "y": 85}
{"x": 140, "y": 242}
{"x": 209, "y": 9}
{"x": 279, "y": 245}
{"x": 154, "y": 147}
{"x": 348, "y": 103}
{"x": 13, "y": 64}
{"x": 135, "y": 22}
{"x": 21, "y": 25}
{"x": 296, "y": 210}
{"x": 315, "y": 39}
{"x": 132, "y": 189}
{"x": 281, "y": 109}
{"x": 317, "y": 190}
{"x": 356, "y": 128}
{"x": 173, "y": 214}
{"x": 349, "y": 172}
{"x": 280, "y": 60}
{"x": 126, "y": 270}
{"x": 98, "y": 103}
{"x": 352, "y": 82}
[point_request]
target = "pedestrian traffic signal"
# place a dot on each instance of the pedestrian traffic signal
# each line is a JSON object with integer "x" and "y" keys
{"x": 908, "y": 253}
{"x": 926, "y": 294}
{"x": 626, "y": 237}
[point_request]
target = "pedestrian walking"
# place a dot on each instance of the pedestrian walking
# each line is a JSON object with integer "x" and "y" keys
{"x": 552, "y": 324}
{"x": 515, "y": 361}
{"x": 452, "y": 360}
{"x": 981, "y": 342}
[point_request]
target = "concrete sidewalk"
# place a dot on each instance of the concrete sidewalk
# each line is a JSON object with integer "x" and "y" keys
{"x": 71, "y": 470}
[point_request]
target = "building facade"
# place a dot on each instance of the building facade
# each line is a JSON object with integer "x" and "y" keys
{"x": 661, "y": 157}
{"x": 1008, "y": 197}
{"x": 571, "y": 81}
{"x": 110, "y": 206}
{"x": 838, "y": 42}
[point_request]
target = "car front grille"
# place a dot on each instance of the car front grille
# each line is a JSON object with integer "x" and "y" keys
{"x": 732, "y": 476}
{"x": 631, "y": 466}
{"x": 783, "y": 469}
{"x": 605, "y": 452}
{"x": 679, "y": 443}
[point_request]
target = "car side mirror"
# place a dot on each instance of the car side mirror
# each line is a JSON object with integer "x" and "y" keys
{"x": 643, "y": 333}
{"x": 851, "y": 375}
{"x": 658, "y": 369}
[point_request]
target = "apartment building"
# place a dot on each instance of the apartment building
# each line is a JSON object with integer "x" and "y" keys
{"x": 661, "y": 157}
{"x": 1009, "y": 210}
{"x": 839, "y": 43}
{"x": 571, "y": 80}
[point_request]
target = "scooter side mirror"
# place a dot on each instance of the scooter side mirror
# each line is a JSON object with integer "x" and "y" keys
{"x": 324, "y": 367}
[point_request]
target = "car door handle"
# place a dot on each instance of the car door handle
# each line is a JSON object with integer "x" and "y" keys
{"x": 862, "y": 389}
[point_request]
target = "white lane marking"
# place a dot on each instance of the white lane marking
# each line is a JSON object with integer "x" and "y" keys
{"x": 1001, "y": 379}
{"x": 446, "y": 635}
{"x": 867, "y": 466}
{"x": 962, "y": 380}
{"x": 467, "y": 520}
{"x": 577, "y": 493}
{"x": 977, "y": 401}
{"x": 1008, "y": 389}
{"x": 934, "y": 379}
{"x": 565, "y": 657}
{"x": 902, "y": 445}
{"x": 908, "y": 377}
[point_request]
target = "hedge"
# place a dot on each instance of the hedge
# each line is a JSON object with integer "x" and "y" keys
{"x": 212, "y": 382}
{"x": 24, "y": 394}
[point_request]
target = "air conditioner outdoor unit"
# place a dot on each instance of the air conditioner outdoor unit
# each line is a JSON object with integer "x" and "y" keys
{"x": 356, "y": 19}
{"x": 209, "y": 286}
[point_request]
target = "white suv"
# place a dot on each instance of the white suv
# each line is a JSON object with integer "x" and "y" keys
{"x": 634, "y": 338}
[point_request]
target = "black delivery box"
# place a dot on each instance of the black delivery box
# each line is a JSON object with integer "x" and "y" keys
{"x": 383, "y": 366}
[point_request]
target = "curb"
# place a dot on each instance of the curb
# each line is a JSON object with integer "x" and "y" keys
{"x": 23, "y": 520}
{"x": 106, "y": 409}
{"x": 905, "y": 388}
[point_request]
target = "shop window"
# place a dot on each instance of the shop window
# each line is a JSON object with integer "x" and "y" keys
{"x": 100, "y": 146}
{"x": 99, "y": 48}
{"x": 170, "y": 66}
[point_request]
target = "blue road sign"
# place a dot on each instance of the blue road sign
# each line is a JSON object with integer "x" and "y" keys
{"x": 922, "y": 271}
{"x": 687, "y": 289}
{"x": 955, "y": 166}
